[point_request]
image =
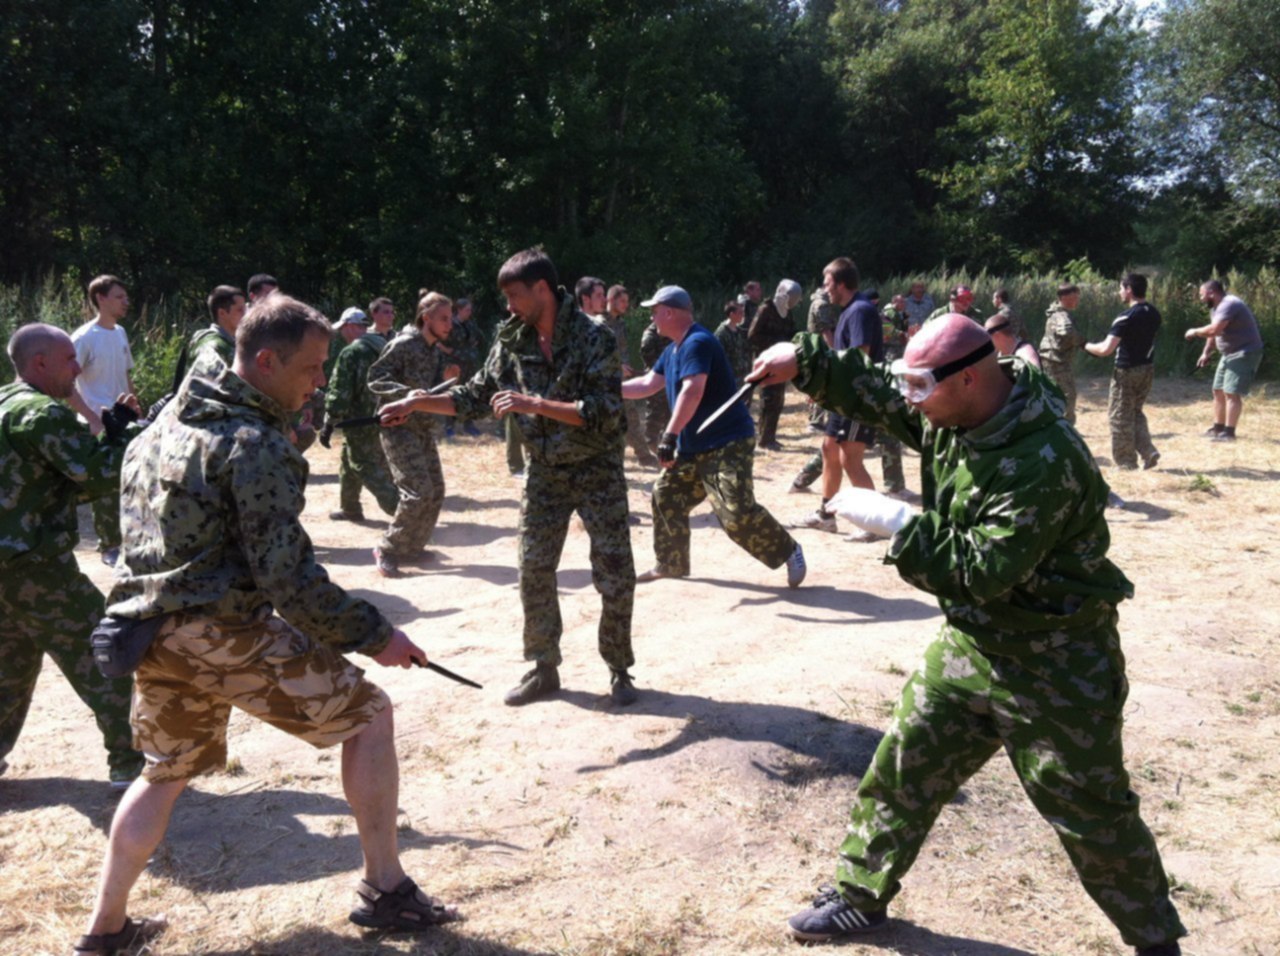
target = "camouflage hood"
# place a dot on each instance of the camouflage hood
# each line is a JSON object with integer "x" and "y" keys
{"x": 1035, "y": 403}
{"x": 204, "y": 401}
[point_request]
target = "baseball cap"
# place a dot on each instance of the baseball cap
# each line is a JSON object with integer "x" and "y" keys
{"x": 962, "y": 292}
{"x": 351, "y": 316}
{"x": 671, "y": 295}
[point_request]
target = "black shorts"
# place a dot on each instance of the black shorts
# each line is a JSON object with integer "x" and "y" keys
{"x": 846, "y": 429}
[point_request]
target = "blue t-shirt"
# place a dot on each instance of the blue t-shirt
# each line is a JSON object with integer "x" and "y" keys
{"x": 860, "y": 325}
{"x": 701, "y": 353}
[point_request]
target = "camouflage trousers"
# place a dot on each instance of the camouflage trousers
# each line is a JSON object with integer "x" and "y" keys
{"x": 415, "y": 466}
{"x": 657, "y": 415}
{"x": 1130, "y": 436}
{"x": 636, "y": 437}
{"x": 106, "y": 520}
{"x": 597, "y": 490}
{"x": 725, "y": 476}
{"x": 515, "y": 449}
{"x": 772, "y": 399}
{"x": 364, "y": 464}
{"x": 1058, "y": 715}
{"x": 811, "y": 471}
{"x": 1063, "y": 374}
{"x": 50, "y": 607}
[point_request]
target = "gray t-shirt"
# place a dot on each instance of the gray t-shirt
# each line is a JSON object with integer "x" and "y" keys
{"x": 1242, "y": 333}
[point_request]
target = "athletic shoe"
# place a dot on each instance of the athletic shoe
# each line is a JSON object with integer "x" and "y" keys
{"x": 387, "y": 566}
{"x": 770, "y": 446}
{"x": 1212, "y": 432}
{"x": 1115, "y": 501}
{"x": 831, "y": 917}
{"x": 1224, "y": 436}
{"x": 621, "y": 690}
{"x": 1151, "y": 462}
{"x": 796, "y": 488}
{"x": 819, "y": 520}
{"x": 518, "y": 476}
{"x": 796, "y": 569}
{"x": 341, "y": 515}
{"x": 542, "y": 681}
{"x": 111, "y": 557}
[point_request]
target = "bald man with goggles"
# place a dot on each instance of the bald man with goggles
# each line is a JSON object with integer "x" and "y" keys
{"x": 1012, "y": 540}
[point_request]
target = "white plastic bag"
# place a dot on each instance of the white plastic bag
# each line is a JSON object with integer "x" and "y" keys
{"x": 872, "y": 511}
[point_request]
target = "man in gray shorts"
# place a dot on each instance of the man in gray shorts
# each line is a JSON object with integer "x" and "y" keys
{"x": 1234, "y": 331}
{"x": 214, "y": 546}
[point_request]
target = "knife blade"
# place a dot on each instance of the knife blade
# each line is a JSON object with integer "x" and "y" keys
{"x": 738, "y": 396}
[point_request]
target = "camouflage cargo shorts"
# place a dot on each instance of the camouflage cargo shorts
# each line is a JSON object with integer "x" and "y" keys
{"x": 200, "y": 667}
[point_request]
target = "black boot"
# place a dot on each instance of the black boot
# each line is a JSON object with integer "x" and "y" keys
{"x": 540, "y": 682}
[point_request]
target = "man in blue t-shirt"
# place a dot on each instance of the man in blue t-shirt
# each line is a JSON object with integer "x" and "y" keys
{"x": 845, "y": 442}
{"x": 1132, "y": 338}
{"x": 716, "y": 463}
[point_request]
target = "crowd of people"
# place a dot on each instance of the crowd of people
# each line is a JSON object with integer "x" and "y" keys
{"x": 218, "y": 600}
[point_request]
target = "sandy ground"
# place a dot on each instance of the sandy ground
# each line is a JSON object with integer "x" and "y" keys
{"x": 698, "y": 819}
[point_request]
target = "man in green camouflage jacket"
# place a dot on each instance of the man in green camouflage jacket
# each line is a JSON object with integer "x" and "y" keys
{"x": 557, "y": 371}
{"x": 214, "y": 491}
{"x": 1013, "y": 542}
{"x": 214, "y": 347}
{"x": 49, "y": 463}
{"x": 363, "y": 462}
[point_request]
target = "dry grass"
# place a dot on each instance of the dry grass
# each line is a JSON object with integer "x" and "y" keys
{"x": 698, "y": 820}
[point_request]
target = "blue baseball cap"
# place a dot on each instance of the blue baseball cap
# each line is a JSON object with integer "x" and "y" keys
{"x": 671, "y": 295}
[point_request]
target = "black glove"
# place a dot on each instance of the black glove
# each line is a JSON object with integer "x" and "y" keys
{"x": 159, "y": 405}
{"x": 116, "y": 419}
{"x": 667, "y": 448}
{"x": 326, "y": 433}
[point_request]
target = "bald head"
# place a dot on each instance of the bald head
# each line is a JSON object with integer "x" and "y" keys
{"x": 944, "y": 340}
{"x": 36, "y": 339}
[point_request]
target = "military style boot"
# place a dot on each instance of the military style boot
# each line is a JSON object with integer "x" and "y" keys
{"x": 540, "y": 682}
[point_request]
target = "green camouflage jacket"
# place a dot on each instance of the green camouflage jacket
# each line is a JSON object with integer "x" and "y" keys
{"x": 210, "y": 350}
{"x": 409, "y": 362}
{"x": 348, "y": 394}
{"x": 49, "y": 463}
{"x": 1013, "y": 537}
{"x": 736, "y": 347}
{"x": 467, "y": 342}
{"x": 617, "y": 324}
{"x": 823, "y": 316}
{"x": 584, "y": 369}
{"x": 652, "y": 345}
{"x": 1061, "y": 337}
{"x": 210, "y": 513}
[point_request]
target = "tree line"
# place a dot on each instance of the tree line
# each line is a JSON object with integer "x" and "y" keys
{"x": 355, "y": 147}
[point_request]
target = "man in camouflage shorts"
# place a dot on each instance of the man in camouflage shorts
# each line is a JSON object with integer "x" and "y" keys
{"x": 213, "y": 542}
{"x": 1013, "y": 541}
{"x": 557, "y": 372}
{"x": 49, "y": 462}
{"x": 715, "y": 462}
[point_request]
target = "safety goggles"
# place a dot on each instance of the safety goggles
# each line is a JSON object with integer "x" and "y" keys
{"x": 917, "y": 384}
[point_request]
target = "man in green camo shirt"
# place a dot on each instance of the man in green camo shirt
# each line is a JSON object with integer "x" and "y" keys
{"x": 1060, "y": 343}
{"x": 214, "y": 347}
{"x": 49, "y": 462}
{"x": 557, "y": 371}
{"x": 363, "y": 461}
{"x": 1013, "y": 542}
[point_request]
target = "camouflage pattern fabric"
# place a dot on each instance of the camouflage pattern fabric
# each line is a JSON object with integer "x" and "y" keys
{"x": 1013, "y": 541}
{"x": 213, "y": 494}
{"x": 408, "y": 363}
{"x": 772, "y": 400}
{"x": 811, "y": 471}
{"x": 597, "y": 490}
{"x": 823, "y": 316}
{"x": 725, "y": 475}
{"x": 49, "y": 462}
{"x": 210, "y": 350}
{"x": 895, "y": 344}
{"x": 584, "y": 369}
{"x": 635, "y": 425}
{"x": 49, "y": 607}
{"x": 1016, "y": 325}
{"x": 957, "y": 711}
{"x": 363, "y": 462}
{"x": 515, "y": 450}
{"x": 1057, "y": 354}
{"x": 200, "y": 667}
{"x": 1130, "y": 436}
{"x": 467, "y": 342}
{"x": 657, "y": 413}
{"x": 733, "y": 339}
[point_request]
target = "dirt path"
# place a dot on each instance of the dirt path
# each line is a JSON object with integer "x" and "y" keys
{"x": 699, "y": 819}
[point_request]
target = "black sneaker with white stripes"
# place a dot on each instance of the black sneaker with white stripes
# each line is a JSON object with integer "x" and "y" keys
{"x": 831, "y": 917}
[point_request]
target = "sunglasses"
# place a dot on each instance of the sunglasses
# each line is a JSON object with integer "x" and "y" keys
{"x": 917, "y": 384}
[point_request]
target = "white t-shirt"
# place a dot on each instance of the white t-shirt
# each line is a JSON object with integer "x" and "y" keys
{"x": 105, "y": 360}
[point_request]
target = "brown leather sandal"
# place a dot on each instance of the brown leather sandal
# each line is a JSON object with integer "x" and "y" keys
{"x": 135, "y": 932}
{"x": 406, "y": 908}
